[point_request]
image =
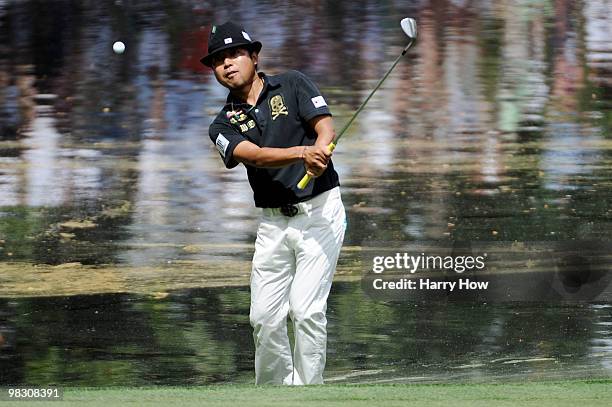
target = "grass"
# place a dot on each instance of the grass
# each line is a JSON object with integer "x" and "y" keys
{"x": 540, "y": 394}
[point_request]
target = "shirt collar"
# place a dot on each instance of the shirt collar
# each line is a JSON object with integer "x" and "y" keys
{"x": 272, "y": 81}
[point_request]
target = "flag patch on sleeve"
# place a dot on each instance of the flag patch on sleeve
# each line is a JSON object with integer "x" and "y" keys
{"x": 222, "y": 144}
{"x": 318, "y": 101}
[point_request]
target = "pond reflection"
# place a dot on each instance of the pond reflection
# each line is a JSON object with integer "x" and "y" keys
{"x": 498, "y": 103}
{"x": 202, "y": 336}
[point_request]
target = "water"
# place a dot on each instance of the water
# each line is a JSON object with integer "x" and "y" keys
{"x": 202, "y": 336}
{"x": 494, "y": 127}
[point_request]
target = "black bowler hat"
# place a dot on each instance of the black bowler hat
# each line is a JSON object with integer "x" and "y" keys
{"x": 226, "y": 36}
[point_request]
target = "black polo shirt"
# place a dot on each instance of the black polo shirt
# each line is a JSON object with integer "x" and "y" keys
{"x": 279, "y": 119}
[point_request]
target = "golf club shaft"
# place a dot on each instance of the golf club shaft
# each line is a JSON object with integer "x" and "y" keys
{"x": 306, "y": 179}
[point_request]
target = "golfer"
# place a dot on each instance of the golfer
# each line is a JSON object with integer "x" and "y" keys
{"x": 279, "y": 127}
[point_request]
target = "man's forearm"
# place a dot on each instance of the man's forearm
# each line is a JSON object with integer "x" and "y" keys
{"x": 324, "y": 128}
{"x": 325, "y": 138}
{"x": 270, "y": 157}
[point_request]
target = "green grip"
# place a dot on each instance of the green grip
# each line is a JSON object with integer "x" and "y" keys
{"x": 304, "y": 181}
{"x": 306, "y": 178}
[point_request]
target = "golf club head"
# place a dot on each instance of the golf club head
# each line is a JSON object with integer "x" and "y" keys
{"x": 409, "y": 27}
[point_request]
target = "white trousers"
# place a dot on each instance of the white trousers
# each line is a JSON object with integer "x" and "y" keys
{"x": 293, "y": 267}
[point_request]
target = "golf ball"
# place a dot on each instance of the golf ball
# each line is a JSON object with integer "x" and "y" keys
{"x": 118, "y": 47}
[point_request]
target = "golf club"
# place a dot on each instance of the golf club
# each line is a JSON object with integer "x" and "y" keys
{"x": 410, "y": 29}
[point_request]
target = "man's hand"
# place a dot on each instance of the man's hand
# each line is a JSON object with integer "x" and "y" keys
{"x": 316, "y": 159}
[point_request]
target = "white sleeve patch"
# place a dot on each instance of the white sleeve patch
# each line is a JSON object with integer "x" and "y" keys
{"x": 318, "y": 101}
{"x": 222, "y": 144}
{"x": 228, "y": 40}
